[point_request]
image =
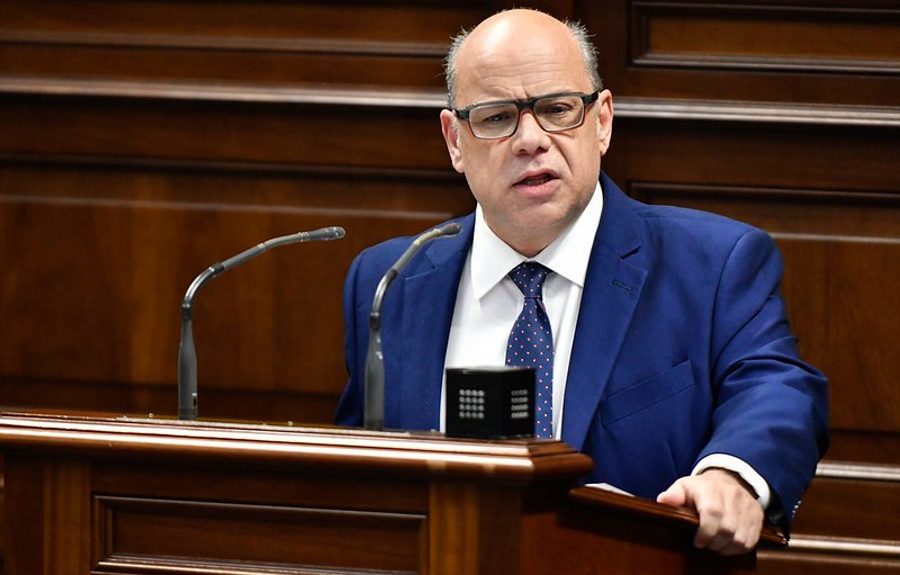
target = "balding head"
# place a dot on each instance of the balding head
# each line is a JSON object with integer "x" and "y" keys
{"x": 533, "y": 181}
{"x": 518, "y": 29}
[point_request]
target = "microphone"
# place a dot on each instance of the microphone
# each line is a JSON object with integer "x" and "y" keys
{"x": 374, "y": 383}
{"x": 187, "y": 356}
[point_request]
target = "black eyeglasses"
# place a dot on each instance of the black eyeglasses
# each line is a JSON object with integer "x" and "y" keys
{"x": 553, "y": 112}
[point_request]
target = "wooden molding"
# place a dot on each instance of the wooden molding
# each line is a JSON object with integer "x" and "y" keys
{"x": 802, "y": 39}
{"x": 769, "y": 113}
{"x": 328, "y": 46}
{"x": 236, "y": 94}
{"x": 324, "y": 446}
{"x": 629, "y": 108}
{"x": 858, "y": 471}
{"x": 846, "y": 545}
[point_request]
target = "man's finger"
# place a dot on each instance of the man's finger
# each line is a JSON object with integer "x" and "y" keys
{"x": 676, "y": 494}
{"x": 710, "y": 528}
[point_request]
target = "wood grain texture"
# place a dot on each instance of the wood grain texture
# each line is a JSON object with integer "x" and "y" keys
{"x": 141, "y": 141}
{"x": 766, "y": 51}
{"x": 274, "y": 43}
{"x": 136, "y": 529}
{"x": 759, "y": 37}
{"x": 827, "y": 511}
{"x": 244, "y": 514}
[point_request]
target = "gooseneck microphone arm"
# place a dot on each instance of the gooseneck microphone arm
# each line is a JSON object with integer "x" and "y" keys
{"x": 373, "y": 418}
{"x": 187, "y": 355}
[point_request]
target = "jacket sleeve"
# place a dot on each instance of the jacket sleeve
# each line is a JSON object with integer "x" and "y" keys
{"x": 350, "y": 407}
{"x": 771, "y": 408}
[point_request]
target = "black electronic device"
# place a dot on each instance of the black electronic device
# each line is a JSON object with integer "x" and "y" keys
{"x": 490, "y": 403}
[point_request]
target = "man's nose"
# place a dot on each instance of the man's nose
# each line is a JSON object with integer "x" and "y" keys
{"x": 529, "y": 136}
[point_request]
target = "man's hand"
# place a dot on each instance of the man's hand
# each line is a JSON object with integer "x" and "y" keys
{"x": 730, "y": 516}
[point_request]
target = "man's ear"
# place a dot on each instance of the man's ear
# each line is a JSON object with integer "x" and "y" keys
{"x": 604, "y": 120}
{"x": 450, "y": 130}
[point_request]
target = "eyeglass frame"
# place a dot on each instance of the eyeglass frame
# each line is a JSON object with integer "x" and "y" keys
{"x": 522, "y": 105}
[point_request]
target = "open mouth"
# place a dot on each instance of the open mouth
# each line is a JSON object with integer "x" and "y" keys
{"x": 536, "y": 180}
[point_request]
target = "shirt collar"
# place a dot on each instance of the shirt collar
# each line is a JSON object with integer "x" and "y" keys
{"x": 567, "y": 255}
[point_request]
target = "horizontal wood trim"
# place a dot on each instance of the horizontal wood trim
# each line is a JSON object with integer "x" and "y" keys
{"x": 256, "y": 535}
{"x": 625, "y": 107}
{"x": 858, "y": 471}
{"x": 684, "y": 516}
{"x": 215, "y": 207}
{"x": 850, "y": 508}
{"x": 421, "y": 177}
{"x": 766, "y": 38}
{"x": 753, "y": 112}
{"x": 168, "y": 566}
{"x": 417, "y": 454}
{"x": 296, "y": 486}
{"x": 222, "y": 67}
{"x": 325, "y": 45}
{"x": 194, "y": 130}
{"x": 241, "y": 24}
{"x": 846, "y": 545}
{"x": 246, "y": 94}
{"x": 789, "y": 562}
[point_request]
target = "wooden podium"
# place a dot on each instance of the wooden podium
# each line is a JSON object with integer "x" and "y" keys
{"x": 123, "y": 495}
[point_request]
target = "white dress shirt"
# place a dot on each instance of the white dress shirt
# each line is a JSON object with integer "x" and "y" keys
{"x": 488, "y": 303}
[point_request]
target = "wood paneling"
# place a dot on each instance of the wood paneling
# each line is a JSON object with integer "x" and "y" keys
{"x": 491, "y": 507}
{"x": 828, "y": 511}
{"x": 815, "y": 562}
{"x": 781, "y": 38}
{"x": 141, "y": 141}
{"x": 806, "y": 51}
{"x": 253, "y": 326}
{"x": 276, "y": 43}
{"x": 138, "y": 529}
{"x": 224, "y": 132}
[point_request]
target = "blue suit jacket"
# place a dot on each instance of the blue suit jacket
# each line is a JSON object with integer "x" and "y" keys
{"x": 682, "y": 349}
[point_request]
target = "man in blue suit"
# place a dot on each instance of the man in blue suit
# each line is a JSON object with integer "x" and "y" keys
{"x": 673, "y": 365}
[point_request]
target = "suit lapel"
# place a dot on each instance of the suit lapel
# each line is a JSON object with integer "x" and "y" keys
{"x": 429, "y": 296}
{"x": 611, "y": 291}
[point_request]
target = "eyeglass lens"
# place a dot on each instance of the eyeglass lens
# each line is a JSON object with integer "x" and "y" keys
{"x": 553, "y": 114}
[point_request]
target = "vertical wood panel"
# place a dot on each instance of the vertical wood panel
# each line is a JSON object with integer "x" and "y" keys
{"x": 67, "y": 485}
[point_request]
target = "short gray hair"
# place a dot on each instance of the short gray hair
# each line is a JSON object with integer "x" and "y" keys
{"x": 578, "y": 31}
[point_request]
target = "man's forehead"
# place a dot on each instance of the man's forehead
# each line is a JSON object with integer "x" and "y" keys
{"x": 519, "y": 69}
{"x": 527, "y": 35}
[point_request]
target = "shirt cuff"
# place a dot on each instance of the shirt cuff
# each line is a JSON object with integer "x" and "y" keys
{"x": 742, "y": 468}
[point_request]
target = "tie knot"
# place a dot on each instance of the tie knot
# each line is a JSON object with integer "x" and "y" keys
{"x": 529, "y": 278}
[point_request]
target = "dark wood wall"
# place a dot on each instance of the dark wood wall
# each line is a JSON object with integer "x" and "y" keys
{"x": 143, "y": 140}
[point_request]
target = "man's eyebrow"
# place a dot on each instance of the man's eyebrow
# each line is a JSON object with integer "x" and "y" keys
{"x": 522, "y": 100}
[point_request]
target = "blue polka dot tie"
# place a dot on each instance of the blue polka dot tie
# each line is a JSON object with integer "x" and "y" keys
{"x": 531, "y": 342}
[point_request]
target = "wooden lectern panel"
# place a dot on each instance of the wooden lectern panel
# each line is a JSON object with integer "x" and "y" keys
{"x": 105, "y": 496}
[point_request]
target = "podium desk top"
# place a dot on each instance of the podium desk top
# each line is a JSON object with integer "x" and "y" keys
{"x": 417, "y": 452}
